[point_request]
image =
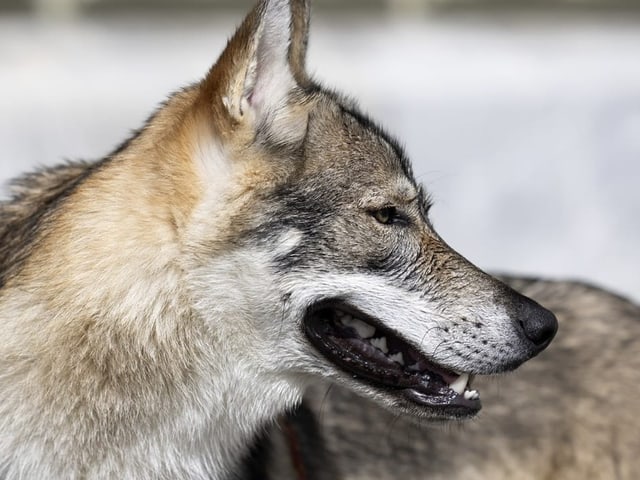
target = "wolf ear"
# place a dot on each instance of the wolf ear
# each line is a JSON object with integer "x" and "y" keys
{"x": 263, "y": 63}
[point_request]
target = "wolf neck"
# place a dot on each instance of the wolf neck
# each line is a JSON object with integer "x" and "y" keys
{"x": 105, "y": 289}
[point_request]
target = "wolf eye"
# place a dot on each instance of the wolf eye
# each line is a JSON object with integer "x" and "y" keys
{"x": 388, "y": 216}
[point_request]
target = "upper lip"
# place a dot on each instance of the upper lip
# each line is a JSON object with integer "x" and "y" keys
{"x": 361, "y": 346}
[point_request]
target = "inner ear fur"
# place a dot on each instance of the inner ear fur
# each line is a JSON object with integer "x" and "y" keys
{"x": 262, "y": 64}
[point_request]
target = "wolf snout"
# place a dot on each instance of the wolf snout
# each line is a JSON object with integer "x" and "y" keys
{"x": 536, "y": 323}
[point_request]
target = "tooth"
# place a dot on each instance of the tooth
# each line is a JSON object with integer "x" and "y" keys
{"x": 460, "y": 384}
{"x": 380, "y": 344}
{"x": 471, "y": 395}
{"x": 398, "y": 358}
{"x": 364, "y": 329}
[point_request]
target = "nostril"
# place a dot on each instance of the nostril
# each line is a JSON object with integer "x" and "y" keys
{"x": 538, "y": 324}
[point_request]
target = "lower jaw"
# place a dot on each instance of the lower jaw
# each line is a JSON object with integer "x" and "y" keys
{"x": 442, "y": 407}
{"x": 424, "y": 405}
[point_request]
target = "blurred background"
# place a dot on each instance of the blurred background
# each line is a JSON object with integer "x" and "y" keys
{"x": 522, "y": 117}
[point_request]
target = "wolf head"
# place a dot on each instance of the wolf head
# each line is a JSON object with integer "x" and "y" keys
{"x": 309, "y": 248}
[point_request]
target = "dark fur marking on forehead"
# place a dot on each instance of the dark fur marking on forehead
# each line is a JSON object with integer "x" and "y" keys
{"x": 350, "y": 108}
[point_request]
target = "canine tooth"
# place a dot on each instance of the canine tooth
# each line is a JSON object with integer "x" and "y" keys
{"x": 460, "y": 384}
{"x": 471, "y": 395}
{"x": 364, "y": 330}
{"x": 398, "y": 358}
{"x": 380, "y": 344}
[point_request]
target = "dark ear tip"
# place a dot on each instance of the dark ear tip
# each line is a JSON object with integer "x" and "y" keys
{"x": 300, "y": 15}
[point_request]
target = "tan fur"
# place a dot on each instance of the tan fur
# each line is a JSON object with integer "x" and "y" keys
{"x": 99, "y": 335}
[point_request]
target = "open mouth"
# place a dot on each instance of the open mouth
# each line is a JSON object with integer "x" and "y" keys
{"x": 367, "y": 351}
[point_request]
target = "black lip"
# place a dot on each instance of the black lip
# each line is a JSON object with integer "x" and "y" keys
{"x": 344, "y": 348}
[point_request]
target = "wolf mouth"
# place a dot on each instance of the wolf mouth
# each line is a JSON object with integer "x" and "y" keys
{"x": 359, "y": 345}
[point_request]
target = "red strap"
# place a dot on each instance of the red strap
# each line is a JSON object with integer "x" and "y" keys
{"x": 294, "y": 449}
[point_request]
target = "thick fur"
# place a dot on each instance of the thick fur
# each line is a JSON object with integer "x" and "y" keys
{"x": 571, "y": 414}
{"x": 152, "y": 303}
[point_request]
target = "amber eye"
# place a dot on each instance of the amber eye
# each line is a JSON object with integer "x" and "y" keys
{"x": 387, "y": 215}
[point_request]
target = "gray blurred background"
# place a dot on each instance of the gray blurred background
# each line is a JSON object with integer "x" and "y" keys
{"x": 521, "y": 117}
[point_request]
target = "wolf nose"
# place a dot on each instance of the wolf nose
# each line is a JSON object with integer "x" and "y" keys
{"x": 538, "y": 324}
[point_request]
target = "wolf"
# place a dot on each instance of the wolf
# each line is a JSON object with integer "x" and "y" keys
{"x": 572, "y": 414}
{"x": 161, "y": 306}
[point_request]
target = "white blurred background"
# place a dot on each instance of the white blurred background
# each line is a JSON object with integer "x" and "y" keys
{"x": 522, "y": 118}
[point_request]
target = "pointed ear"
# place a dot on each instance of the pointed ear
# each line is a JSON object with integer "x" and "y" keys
{"x": 262, "y": 64}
